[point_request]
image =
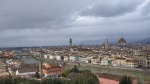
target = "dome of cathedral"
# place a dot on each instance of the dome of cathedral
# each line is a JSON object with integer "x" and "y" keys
{"x": 122, "y": 42}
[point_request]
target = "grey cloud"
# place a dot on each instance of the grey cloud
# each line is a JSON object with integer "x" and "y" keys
{"x": 109, "y": 8}
{"x": 53, "y": 22}
{"x": 37, "y": 14}
{"x": 146, "y": 9}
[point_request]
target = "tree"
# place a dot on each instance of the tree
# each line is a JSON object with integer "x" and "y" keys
{"x": 10, "y": 75}
{"x": 62, "y": 57}
{"x": 37, "y": 75}
{"x": 63, "y": 75}
{"x": 148, "y": 64}
{"x": 125, "y": 80}
{"x": 75, "y": 69}
{"x": 66, "y": 72}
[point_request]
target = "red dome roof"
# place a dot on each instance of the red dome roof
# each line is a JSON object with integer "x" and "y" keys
{"x": 122, "y": 41}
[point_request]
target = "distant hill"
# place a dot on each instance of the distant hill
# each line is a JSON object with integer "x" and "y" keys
{"x": 114, "y": 41}
{"x": 97, "y": 42}
{"x": 144, "y": 41}
{"x": 92, "y": 42}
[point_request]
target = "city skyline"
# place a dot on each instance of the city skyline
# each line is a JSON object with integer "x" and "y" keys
{"x": 51, "y": 22}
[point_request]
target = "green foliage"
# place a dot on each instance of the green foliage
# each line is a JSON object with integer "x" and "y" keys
{"x": 75, "y": 69}
{"x": 77, "y": 80}
{"x": 37, "y": 75}
{"x": 55, "y": 81}
{"x": 66, "y": 72}
{"x": 18, "y": 81}
{"x": 86, "y": 78}
{"x": 10, "y": 75}
{"x": 63, "y": 75}
{"x": 125, "y": 80}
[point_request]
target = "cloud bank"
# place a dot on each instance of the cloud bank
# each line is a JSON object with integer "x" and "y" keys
{"x": 53, "y": 22}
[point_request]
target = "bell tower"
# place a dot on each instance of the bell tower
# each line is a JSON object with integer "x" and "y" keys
{"x": 106, "y": 44}
{"x": 70, "y": 42}
{"x": 40, "y": 67}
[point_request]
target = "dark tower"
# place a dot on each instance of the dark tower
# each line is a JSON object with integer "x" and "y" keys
{"x": 70, "y": 42}
{"x": 106, "y": 44}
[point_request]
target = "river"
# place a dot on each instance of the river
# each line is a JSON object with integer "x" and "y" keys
{"x": 28, "y": 59}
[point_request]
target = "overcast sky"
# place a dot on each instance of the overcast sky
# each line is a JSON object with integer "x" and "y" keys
{"x": 53, "y": 22}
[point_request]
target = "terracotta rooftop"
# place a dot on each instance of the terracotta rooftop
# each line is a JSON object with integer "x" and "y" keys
{"x": 119, "y": 58}
{"x": 131, "y": 61}
{"x": 28, "y": 70}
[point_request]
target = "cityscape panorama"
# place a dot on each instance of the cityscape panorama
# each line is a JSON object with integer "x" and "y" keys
{"x": 74, "y": 42}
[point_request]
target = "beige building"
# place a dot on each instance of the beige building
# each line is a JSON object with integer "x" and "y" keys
{"x": 141, "y": 61}
{"x": 131, "y": 63}
{"x": 125, "y": 62}
{"x": 119, "y": 61}
{"x": 95, "y": 60}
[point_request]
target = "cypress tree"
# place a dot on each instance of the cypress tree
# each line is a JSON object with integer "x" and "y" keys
{"x": 125, "y": 80}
